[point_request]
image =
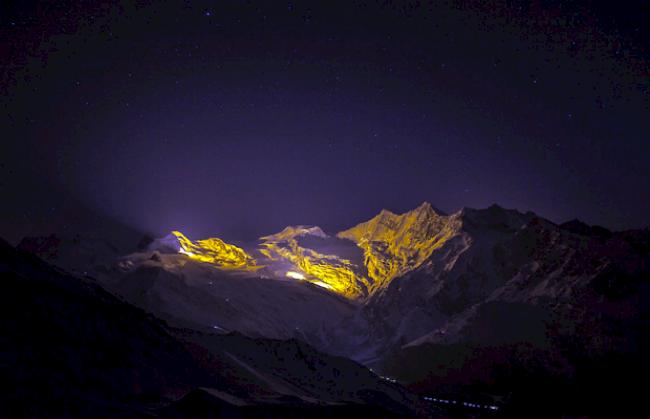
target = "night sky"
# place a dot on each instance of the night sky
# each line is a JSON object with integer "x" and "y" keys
{"x": 237, "y": 118}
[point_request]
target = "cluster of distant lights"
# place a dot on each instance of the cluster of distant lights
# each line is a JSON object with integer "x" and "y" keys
{"x": 466, "y": 404}
{"x": 446, "y": 401}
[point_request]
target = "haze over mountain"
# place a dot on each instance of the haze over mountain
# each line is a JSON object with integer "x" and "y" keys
{"x": 463, "y": 305}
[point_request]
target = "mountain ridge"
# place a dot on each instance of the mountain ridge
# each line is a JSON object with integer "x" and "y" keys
{"x": 487, "y": 284}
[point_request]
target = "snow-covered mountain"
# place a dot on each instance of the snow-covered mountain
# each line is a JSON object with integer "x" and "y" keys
{"x": 387, "y": 290}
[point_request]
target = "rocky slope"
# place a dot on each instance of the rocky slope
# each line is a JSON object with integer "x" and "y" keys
{"x": 216, "y": 252}
{"x": 313, "y": 255}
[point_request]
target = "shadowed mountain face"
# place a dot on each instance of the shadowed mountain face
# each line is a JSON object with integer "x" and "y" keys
{"x": 469, "y": 303}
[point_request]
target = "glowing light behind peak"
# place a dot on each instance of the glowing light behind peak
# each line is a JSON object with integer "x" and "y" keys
{"x": 301, "y": 277}
{"x": 324, "y": 285}
{"x": 295, "y": 275}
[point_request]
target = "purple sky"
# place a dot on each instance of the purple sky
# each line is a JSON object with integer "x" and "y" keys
{"x": 238, "y": 118}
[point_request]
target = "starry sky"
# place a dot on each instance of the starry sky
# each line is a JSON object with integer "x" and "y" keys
{"x": 237, "y": 118}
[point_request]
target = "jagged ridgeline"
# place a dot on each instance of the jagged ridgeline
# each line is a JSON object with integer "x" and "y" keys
{"x": 383, "y": 248}
{"x": 216, "y": 252}
{"x": 396, "y": 244}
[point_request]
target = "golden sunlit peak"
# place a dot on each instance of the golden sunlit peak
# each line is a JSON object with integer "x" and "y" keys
{"x": 394, "y": 244}
{"x": 216, "y": 252}
{"x": 295, "y": 275}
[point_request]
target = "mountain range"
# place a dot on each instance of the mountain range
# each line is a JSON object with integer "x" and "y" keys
{"x": 488, "y": 311}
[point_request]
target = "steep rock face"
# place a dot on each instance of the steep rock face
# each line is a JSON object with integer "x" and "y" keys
{"x": 216, "y": 252}
{"x": 330, "y": 271}
{"x": 394, "y": 244}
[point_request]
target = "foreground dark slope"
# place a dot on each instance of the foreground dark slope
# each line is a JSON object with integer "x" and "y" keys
{"x": 70, "y": 348}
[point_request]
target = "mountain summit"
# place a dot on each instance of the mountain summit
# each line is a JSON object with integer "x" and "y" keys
{"x": 396, "y": 244}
